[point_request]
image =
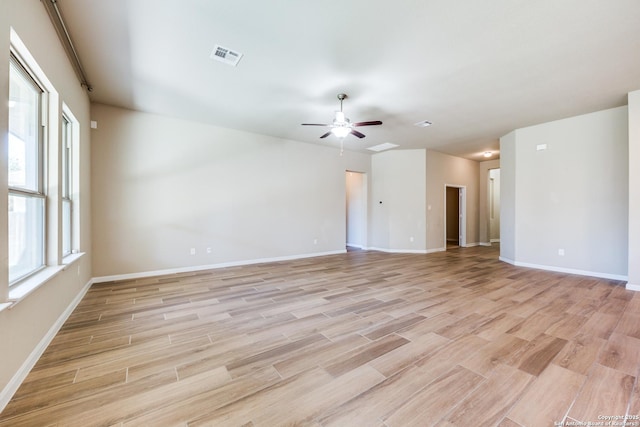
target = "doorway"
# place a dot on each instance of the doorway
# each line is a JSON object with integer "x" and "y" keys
{"x": 494, "y": 206}
{"x": 356, "y": 210}
{"x": 455, "y": 208}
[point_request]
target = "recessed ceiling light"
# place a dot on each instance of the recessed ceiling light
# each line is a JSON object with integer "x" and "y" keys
{"x": 423, "y": 124}
{"x": 382, "y": 147}
{"x": 488, "y": 154}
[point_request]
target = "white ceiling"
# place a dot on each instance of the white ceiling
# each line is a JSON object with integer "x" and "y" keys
{"x": 476, "y": 69}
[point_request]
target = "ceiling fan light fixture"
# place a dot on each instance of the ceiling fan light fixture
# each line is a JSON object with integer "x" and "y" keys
{"x": 341, "y": 131}
{"x": 488, "y": 154}
{"x": 423, "y": 124}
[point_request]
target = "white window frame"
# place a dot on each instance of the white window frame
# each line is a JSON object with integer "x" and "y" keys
{"x": 37, "y": 193}
{"x": 66, "y": 188}
{"x": 51, "y": 180}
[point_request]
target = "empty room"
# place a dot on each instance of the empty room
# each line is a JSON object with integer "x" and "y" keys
{"x": 328, "y": 214}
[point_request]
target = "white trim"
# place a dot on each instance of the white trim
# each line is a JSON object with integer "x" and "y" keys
{"x": 495, "y": 240}
{"x": 354, "y": 245}
{"x": 507, "y": 260}
{"x": 471, "y": 245}
{"x": 23, "y": 289}
{"x": 431, "y": 251}
{"x": 144, "y": 274}
{"x": 12, "y": 386}
{"x": 484, "y": 243}
{"x": 632, "y": 287}
{"x": 398, "y": 251}
{"x": 567, "y": 270}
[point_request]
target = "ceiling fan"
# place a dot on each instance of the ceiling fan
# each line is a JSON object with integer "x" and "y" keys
{"x": 342, "y": 126}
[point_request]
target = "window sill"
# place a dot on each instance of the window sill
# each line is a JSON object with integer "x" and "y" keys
{"x": 71, "y": 258}
{"x": 20, "y": 291}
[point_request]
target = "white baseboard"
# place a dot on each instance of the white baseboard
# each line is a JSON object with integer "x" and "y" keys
{"x": 485, "y": 244}
{"x": 144, "y": 274}
{"x": 495, "y": 240}
{"x": 632, "y": 287}
{"x": 432, "y": 251}
{"x": 471, "y": 245}
{"x": 354, "y": 245}
{"x": 597, "y": 274}
{"x": 398, "y": 251}
{"x": 12, "y": 386}
{"x": 507, "y": 260}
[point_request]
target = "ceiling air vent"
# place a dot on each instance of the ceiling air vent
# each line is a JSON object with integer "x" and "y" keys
{"x": 226, "y": 55}
{"x": 383, "y": 147}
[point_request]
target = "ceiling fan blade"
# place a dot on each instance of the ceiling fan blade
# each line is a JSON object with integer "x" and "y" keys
{"x": 326, "y": 135}
{"x": 372, "y": 123}
{"x": 358, "y": 134}
{"x": 314, "y": 124}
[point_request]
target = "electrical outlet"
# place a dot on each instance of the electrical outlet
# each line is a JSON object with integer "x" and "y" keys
{"x": 192, "y": 251}
{"x": 411, "y": 239}
{"x": 208, "y": 250}
{"x": 315, "y": 241}
{"x": 561, "y": 252}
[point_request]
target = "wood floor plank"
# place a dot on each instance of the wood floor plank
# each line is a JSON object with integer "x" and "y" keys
{"x": 371, "y": 406}
{"x": 243, "y": 410}
{"x": 553, "y": 393}
{"x": 307, "y": 407}
{"x": 606, "y": 392}
{"x": 433, "y": 324}
{"x": 490, "y": 401}
{"x": 176, "y": 406}
{"x": 621, "y": 352}
{"x": 363, "y": 354}
{"x": 501, "y": 350}
{"x": 318, "y": 354}
{"x": 436, "y": 400}
{"x": 361, "y": 338}
{"x": 406, "y": 355}
{"x": 580, "y": 353}
{"x": 539, "y": 353}
{"x": 65, "y": 393}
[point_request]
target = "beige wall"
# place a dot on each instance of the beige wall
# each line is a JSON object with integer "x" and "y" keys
{"x": 508, "y": 197}
{"x": 634, "y": 190}
{"x": 169, "y": 185}
{"x": 398, "y": 201}
{"x": 443, "y": 169}
{"x": 25, "y": 325}
{"x": 571, "y": 196}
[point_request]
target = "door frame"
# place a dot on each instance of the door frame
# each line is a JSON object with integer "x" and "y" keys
{"x": 490, "y": 206}
{"x": 462, "y": 215}
{"x": 363, "y": 217}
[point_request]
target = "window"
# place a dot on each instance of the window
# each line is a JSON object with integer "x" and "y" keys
{"x": 25, "y": 175}
{"x": 67, "y": 207}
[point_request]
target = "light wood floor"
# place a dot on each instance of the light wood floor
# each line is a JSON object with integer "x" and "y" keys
{"x": 360, "y": 339}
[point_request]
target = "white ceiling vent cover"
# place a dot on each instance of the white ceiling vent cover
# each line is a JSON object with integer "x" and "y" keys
{"x": 226, "y": 55}
{"x": 382, "y": 147}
